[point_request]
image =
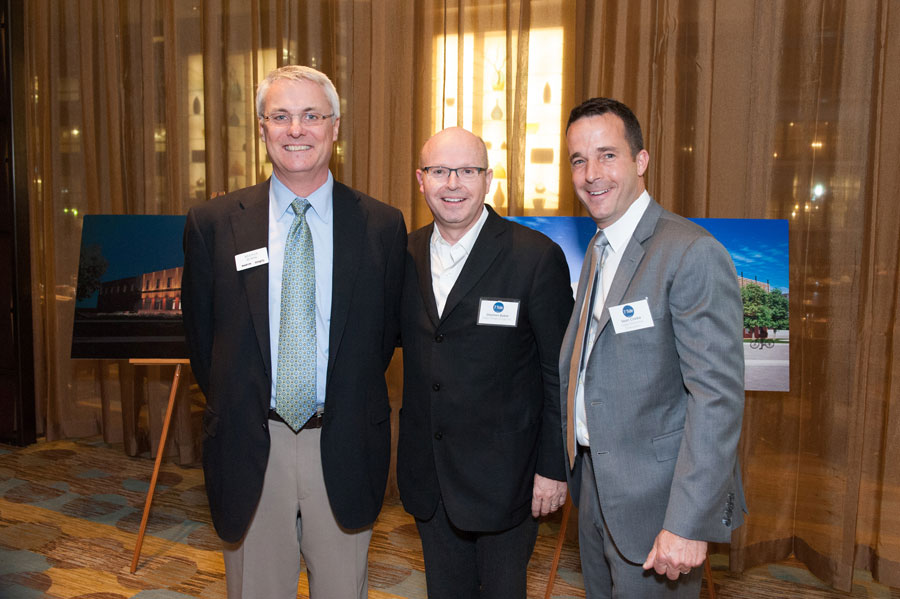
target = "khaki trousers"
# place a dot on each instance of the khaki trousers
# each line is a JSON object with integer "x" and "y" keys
{"x": 293, "y": 518}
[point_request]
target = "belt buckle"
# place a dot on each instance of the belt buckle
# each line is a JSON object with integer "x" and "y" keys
{"x": 315, "y": 421}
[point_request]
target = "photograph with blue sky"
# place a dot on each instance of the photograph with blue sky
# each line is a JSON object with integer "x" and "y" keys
{"x": 132, "y": 245}
{"x": 758, "y": 247}
{"x": 118, "y": 314}
{"x": 759, "y": 250}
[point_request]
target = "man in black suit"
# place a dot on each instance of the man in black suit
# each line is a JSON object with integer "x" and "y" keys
{"x": 291, "y": 297}
{"x": 485, "y": 307}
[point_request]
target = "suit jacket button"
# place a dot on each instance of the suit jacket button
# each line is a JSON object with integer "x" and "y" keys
{"x": 436, "y": 387}
{"x": 438, "y": 338}
{"x": 726, "y": 521}
{"x": 438, "y": 435}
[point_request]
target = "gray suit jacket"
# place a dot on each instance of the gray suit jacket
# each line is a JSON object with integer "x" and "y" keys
{"x": 664, "y": 404}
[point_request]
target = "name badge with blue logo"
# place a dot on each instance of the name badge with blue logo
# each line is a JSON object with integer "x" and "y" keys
{"x": 494, "y": 311}
{"x": 632, "y": 316}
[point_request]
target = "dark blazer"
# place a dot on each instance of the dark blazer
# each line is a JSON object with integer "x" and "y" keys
{"x": 481, "y": 403}
{"x": 227, "y": 328}
{"x": 664, "y": 403}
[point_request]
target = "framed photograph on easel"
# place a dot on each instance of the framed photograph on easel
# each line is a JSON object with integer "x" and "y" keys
{"x": 128, "y": 294}
{"x": 128, "y": 305}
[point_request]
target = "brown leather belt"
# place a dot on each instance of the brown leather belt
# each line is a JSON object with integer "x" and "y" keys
{"x": 314, "y": 422}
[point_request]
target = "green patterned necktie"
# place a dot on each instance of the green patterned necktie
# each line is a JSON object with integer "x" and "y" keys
{"x": 295, "y": 388}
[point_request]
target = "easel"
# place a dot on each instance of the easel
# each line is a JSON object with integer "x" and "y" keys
{"x": 173, "y": 390}
{"x": 567, "y": 508}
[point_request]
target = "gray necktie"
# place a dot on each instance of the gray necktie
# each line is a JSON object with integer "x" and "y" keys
{"x": 295, "y": 388}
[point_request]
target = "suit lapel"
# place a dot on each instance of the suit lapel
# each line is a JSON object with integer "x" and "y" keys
{"x": 349, "y": 234}
{"x": 250, "y": 227}
{"x": 420, "y": 250}
{"x": 484, "y": 252}
{"x": 634, "y": 253}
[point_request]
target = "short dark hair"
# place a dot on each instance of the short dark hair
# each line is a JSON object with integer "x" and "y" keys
{"x": 601, "y": 106}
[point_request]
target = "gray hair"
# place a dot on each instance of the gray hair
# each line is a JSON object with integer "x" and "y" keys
{"x": 299, "y": 73}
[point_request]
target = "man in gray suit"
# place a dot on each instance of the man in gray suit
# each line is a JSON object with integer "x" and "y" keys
{"x": 651, "y": 375}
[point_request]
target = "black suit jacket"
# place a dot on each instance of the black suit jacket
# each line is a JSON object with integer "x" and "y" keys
{"x": 481, "y": 408}
{"x": 227, "y": 328}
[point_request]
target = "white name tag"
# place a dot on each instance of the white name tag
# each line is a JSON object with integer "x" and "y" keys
{"x": 498, "y": 312}
{"x": 252, "y": 258}
{"x": 631, "y": 317}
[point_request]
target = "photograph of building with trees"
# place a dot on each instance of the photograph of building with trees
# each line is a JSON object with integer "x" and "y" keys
{"x": 128, "y": 292}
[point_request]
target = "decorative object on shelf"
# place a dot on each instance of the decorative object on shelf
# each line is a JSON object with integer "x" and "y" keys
{"x": 499, "y": 172}
{"x": 540, "y": 188}
{"x": 451, "y": 101}
{"x": 234, "y": 92}
{"x": 499, "y": 69}
{"x": 503, "y": 146}
{"x": 542, "y": 156}
{"x": 197, "y": 106}
{"x": 497, "y": 112}
{"x": 538, "y": 203}
{"x": 198, "y": 155}
{"x": 236, "y": 169}
{"x": 233, "y": 119}
{"x": 532, "y": 128}
{"x": 499, "y": 198}
{"x": 547, "y": 94}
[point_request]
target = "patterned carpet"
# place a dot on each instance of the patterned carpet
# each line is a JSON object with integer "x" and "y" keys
{"x": 70, "y": 511}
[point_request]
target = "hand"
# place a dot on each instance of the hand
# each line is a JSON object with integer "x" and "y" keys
{"x": 548, "y": 495}
{"x": 673, "y": 555}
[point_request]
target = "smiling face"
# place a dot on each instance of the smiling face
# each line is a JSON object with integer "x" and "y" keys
{"x": 606, "y": 177}
{"x": 456, "y": 205}
{"x": 299, "y": 153}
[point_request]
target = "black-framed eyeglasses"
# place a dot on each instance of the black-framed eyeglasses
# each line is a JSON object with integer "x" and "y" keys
{"x": 286, "y": 119}
{"x": 463, "y": 173}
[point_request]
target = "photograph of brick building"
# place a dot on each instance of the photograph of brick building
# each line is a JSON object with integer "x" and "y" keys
{"x": 128, "y": 294}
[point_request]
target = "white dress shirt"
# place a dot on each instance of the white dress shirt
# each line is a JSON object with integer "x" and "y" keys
{"x": 447, "y": 260}
{"x": 618, "y": 234}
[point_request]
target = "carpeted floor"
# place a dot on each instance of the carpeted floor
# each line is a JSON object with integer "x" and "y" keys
{"x": 70, "y": 511}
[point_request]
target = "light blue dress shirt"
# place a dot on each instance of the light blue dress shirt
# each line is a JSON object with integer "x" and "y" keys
{"x": 320, "y": 218}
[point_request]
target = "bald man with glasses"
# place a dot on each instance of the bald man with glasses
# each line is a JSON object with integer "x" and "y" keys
{"x": 485, "y": 307}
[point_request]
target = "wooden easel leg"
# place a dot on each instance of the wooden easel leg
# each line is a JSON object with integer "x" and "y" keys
{"x": 159, "y": 455}
{"x": 707, "y": 569}
{"x": 561, "y": 537}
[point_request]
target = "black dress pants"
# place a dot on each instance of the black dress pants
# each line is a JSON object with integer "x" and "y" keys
{"x": 475, "y": 565}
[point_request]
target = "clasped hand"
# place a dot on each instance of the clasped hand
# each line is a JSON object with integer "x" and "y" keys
{"x": 548, "y": 495}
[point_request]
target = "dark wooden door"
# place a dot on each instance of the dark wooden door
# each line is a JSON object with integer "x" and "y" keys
{"x": 17, "y": 415}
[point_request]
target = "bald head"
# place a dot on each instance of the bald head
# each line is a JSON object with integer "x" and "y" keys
{"x": 464, "y": 141}
{"x": 455, "y": 193}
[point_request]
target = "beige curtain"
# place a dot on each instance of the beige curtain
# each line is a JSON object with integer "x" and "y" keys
{"x": 146, "y": 108}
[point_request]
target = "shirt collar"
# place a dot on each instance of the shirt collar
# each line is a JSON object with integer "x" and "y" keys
{"x": 620, "y": 232}
{"x": 467, "y": 241}
{"x": 319, "y": 200}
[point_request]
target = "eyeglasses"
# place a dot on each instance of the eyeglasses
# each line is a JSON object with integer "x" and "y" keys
{"x": 286, "y": 119}
{"x": 463, "y": 173}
